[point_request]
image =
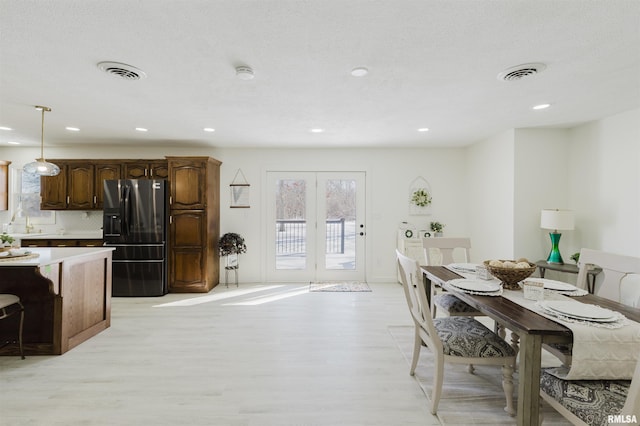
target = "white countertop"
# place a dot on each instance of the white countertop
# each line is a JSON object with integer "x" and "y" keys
{"x": 88, "y": 235}
{"x": 48, "y": 256}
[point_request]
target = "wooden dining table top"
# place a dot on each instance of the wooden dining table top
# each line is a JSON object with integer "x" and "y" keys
{"x": 517, "y": 318}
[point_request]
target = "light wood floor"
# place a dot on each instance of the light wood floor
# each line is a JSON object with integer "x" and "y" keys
{"x": 258, "y": 355}
{"x": 272, "y": 356}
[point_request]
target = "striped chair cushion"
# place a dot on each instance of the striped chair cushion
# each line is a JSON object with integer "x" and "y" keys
{"x": 590, "y": 400}
{"x": 466, "y": 337}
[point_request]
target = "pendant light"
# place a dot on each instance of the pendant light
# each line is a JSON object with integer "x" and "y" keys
{"x": 41, "y": 166}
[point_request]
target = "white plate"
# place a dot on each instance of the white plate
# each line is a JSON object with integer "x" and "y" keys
{"x": 554, "y": 285}
{"x": 579, "y": 310}
{"x": 475, "y": 285}
{"x": 465, "y": 267}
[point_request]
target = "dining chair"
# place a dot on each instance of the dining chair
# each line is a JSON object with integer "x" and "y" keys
{"x": 591, "y": 402}
{"x": 442, "y": 251}
{"x": 9, "y": 305}
{"x": 454, "y": 340}
{"x": 619, "y": 281}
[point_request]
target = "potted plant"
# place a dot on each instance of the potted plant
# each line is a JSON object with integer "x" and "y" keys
{"x": 575, "y": 257}
{"x": 436, "y": 228}
{"x": 231, "y": 245}
{"x": 6, "y": 241}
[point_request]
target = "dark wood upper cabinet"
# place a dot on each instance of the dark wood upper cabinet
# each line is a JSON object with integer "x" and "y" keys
{"x": 145, "y": 169}
{"x": 79, "y": 186}
{"x": 4, "y": 184}
{"x": 53, "y": 189}
{"x": 102, "y": 172}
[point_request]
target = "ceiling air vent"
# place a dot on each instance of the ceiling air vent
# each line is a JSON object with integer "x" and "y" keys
{"x": 120, "y": 70}
{"x": 521, "y": 71}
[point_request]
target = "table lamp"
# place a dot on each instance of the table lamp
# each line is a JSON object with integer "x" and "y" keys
{"x": 557, "y": 220}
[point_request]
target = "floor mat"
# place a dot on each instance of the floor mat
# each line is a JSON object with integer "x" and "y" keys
{"x": 338, "y": 286}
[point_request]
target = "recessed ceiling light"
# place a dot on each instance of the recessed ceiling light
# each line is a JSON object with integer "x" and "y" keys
{"x": 359, "y": 72}
{"x": 142, "y": 129}
{"x": 316, "y": 130}
{"x": 13, "y": 143}
{"x": 5, "y": 128}
{"x": 542, "y": 106}
{"x": 72, "y": 129}
{"x": 423, "y": 129}
{"x": 209, "y": 129}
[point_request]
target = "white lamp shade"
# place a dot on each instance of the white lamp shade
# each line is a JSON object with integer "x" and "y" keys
{"x": 557, "y": 219}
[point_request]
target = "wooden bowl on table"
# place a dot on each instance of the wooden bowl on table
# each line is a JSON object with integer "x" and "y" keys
{"x": 511, "y": 276}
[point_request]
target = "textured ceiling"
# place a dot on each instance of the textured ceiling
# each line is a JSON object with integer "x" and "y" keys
{"x": 431, "y": 64}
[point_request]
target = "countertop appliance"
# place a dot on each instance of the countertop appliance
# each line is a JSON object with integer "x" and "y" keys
{"x": 136, "y": 223}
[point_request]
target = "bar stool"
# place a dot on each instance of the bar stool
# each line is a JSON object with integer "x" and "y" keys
{"x": 10, "y": 304}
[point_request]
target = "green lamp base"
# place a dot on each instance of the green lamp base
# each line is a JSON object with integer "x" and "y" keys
{"x": 554, "y": 254}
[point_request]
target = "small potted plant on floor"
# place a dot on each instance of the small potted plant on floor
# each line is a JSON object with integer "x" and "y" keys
{"x": 436, "y": 228}
{"x": 231, "y": 245}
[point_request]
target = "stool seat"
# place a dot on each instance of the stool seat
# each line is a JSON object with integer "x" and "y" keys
{"x": 10, "y": 304}
{"x": 7, "y": 300}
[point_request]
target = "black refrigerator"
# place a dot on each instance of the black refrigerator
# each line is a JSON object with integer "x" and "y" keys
{"x": 136, "y": 223}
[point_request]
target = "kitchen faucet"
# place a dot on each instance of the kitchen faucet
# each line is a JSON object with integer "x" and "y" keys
{"x": 28, "y": 227}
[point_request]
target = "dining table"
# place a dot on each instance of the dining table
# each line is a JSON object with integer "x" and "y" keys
{"x": 533, "y": 330}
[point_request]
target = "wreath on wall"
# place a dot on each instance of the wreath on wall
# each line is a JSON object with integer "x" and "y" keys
{"x": 421, "y": 197}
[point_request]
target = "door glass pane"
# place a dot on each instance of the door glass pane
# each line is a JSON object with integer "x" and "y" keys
{"x": 340, "y": 250}
{"x": 291, "y": 224}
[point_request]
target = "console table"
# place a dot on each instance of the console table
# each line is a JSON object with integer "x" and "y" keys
{"x": 571, "y": 269}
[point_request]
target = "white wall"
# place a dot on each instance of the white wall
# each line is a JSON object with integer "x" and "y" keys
{"x": 490, "y": 195}
{"x": 604, "y": 185}
{"x": 541, "y": 182}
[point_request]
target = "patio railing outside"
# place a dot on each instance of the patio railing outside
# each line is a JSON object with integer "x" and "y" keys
{"x": 291, "y": 236}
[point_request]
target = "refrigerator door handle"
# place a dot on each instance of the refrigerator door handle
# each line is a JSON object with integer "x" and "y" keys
{"x": 126, "y": 209}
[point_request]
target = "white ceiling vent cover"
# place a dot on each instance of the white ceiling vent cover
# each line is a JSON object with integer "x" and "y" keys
{"x": 521, "y": 71}
{"x": 120, "y": 70}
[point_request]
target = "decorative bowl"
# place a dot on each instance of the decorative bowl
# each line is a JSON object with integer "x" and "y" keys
{"x": 510, "y": 277}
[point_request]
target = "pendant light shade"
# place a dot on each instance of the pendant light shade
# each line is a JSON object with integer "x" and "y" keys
{"x": 41, "y": 166}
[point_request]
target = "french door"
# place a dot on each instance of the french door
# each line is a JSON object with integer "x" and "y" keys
{"x": 315, "y": 228}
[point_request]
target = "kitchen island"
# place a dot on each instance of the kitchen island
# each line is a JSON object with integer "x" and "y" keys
{"x": 66, "y": 293}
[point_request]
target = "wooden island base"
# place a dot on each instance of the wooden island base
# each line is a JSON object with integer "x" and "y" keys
{"x": 66, "y": 293}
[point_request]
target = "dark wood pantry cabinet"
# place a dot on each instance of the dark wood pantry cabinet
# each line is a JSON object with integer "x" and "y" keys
{"x": 195, "y": 223}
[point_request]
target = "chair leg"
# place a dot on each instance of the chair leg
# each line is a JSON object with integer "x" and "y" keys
{"x": 507, "y": 385}
{"x": 417, "y": 345}
{"x": 20, "y": 331}
{"x": 437, "y": 385}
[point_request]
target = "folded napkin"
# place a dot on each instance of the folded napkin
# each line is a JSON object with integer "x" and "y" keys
{"x": 19, "y": 251}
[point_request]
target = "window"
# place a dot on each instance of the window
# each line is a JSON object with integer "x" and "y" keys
{"x": 26, "y": 199}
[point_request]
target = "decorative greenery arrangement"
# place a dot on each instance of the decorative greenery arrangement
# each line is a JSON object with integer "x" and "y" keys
{"x": 231, "y": 243}
{"x": 575, "y": 257}
{"x": 436, "y": 226}
{"x": 6, "y": 239}
{"x": 421, "y": 197}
